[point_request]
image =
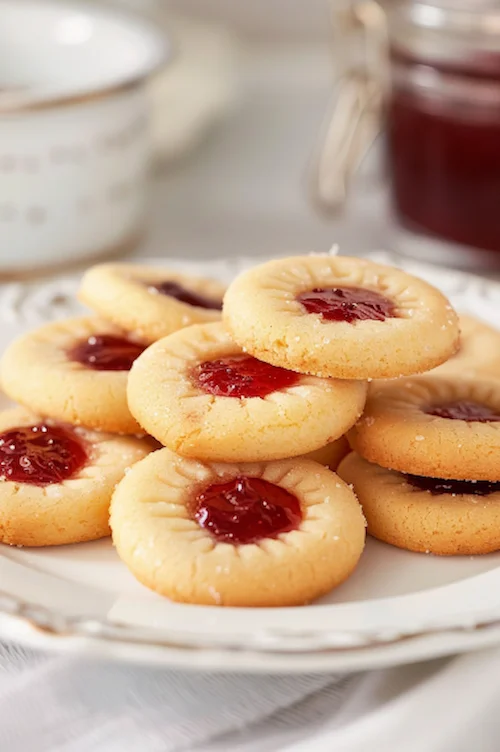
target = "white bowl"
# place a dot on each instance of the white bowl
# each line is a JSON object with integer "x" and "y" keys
{"x": 74, "y": 130}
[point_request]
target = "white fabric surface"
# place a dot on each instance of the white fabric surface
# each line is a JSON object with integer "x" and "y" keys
{"x": 70, "y": 704}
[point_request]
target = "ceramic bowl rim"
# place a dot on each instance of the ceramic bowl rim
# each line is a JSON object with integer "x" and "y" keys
{"x": 161, "y": 53}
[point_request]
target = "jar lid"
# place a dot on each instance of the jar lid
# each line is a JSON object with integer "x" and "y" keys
{"x": 444, "y": 28}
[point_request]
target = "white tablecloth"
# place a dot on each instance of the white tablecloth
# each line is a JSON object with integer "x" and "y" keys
{"x": 70, "y": 704}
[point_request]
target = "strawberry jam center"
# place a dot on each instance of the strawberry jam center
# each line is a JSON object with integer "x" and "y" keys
{"x": 105, "y": 352}
{"x": 472, "y": 412}
{"x": 347, "y": 304}
{"x": 40, "y": 455}
{"x": 243, "y": 376}
{"x": 174, "y": 290}
{"x": 438, "y": 486}
{"x": 246, "y": 510}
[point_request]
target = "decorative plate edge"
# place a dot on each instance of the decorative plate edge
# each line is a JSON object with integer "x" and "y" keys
{"x": 278, "y": 642}
{"x": 35, "y": 302}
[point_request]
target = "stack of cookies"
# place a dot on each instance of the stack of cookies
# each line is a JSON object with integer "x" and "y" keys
{"x": 427, "y": 468}
{"x": 233, "y": 510}
{"x": 252, "y": 406}
{"x": 64, "y": 451}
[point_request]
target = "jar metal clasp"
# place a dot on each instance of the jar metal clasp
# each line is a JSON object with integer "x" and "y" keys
{"x": 361, "y": 39}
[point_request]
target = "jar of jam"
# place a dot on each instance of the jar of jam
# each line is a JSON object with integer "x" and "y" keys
{"x": 439, "y": 109}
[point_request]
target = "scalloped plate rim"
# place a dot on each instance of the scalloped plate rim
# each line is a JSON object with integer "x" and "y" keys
{"x": 379, "y": 650}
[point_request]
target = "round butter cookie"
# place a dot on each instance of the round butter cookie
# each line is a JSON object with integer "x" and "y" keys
{"x": 479, "y": 351}
{"x": 56, "y": 481}
{"x": 75, "y": 371}
{"x": 340, "y": 317}
{"x": 261, "y": 534}
{"x": 331, "y": 454}
{"x": 432, "y": 426}
{"x": 201, "y": 396}
{"x": 150, "y": 301}
{"x": 426, "y": 515}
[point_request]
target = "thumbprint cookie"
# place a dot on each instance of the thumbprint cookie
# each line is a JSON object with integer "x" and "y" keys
{"x": 75, "y": 371}
{"x": 432, "y": 426}
{"x": 340, "y": 317}
{"x": 426, "y": 515}
{"x": 479, "y": 351}
{"x": 260, "y": 534}
{"x": 331, "y": 454}
{"x": 201, "y": 396}
{"x": 56, "y": 480}
{"x": 150, "y": 301}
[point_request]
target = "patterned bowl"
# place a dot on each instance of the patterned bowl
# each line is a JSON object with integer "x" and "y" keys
{"x": 74, "y": 136}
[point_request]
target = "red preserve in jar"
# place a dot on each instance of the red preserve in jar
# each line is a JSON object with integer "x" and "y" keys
{"x": 443, "y": 130}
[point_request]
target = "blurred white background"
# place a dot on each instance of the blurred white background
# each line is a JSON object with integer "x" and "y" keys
{"x": 243, "y": 190}
{"x": 258, "y": 20}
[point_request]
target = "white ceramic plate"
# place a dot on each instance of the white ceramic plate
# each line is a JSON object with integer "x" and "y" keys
{"x": 397, "y": 607}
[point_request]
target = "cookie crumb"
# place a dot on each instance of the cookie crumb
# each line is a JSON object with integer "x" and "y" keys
{"x": 215, "y": 595}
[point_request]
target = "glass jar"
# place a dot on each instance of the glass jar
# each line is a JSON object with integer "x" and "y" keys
{"x": 439, "y": 79}
{"x": 443, "y": 130}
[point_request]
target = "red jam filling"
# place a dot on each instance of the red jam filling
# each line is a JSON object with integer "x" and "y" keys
{"x": 347, "y": 304}
{"x": 40, "y": 455}
{"x": 105, "y": 352}
{"x": 246, "y": 510}
{"x": 472, "y": 412}
{"x": 243, "y": 376}
{"x": 174, "y": 290}
{"x": 437, "y": 486}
